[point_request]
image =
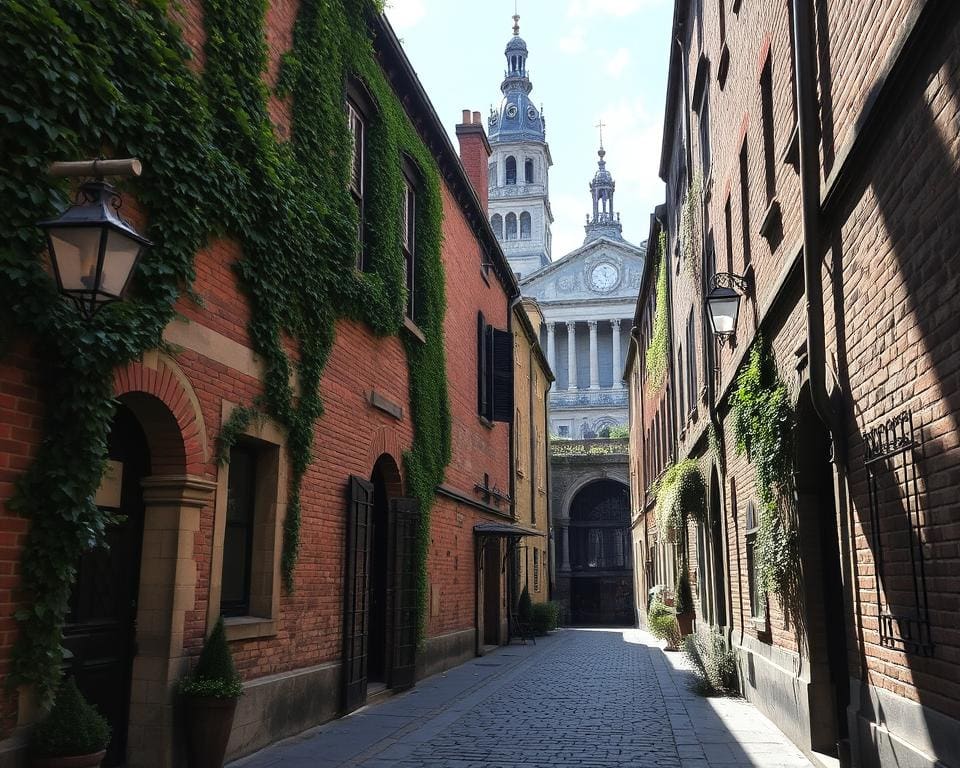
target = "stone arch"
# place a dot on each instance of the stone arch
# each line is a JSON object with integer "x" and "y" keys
{"x": 160, "y": 396}
{"x": 586, "y": 479}
{"x": 386, "y": 444}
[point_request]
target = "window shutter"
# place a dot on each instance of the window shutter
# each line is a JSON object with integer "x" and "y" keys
{"x": 502, "y": 342}
{"x": 482, "y": 396}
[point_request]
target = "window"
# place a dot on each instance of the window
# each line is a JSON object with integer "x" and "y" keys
{"x": 766, "y": 113}
{"x": 536, "y": 570}
{"x": 691, "y": 364}
{"x": 358, "y": 160}
{"x": 563, "y": 430}
{"x": 528, "y": 171}
{"x": 238, "y": 534}
{"x": 492, "y": 174}
{"x": 511, "y": 169}
{"x": 518, "y": 452}
{"x": 758, "y": 603}
{"x": 496, "y": 221}
{"x": 745, "y": 206}
{"x": 680, "y": 400}
{"x": 728, "y": 235}
{"x": 705, "y": 134}
{"x": 494, "y": 372}
{"x": 511, "y": 228}
{"x": 409, "y": 240}
{"x": 525, "y": 226}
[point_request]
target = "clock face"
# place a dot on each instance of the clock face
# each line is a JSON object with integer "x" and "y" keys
{"x": 604, "y": 277}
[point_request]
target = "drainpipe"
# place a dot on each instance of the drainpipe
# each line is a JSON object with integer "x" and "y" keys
{"x": 810, "y": 205}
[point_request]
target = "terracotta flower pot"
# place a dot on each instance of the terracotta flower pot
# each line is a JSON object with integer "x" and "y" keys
{"x": 209, "y": 723}
{"x": 685, "y": 622}
{"x": 92, "y": 760}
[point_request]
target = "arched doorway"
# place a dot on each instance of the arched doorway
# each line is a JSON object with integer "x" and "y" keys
{"x": 99, "y": 633}
{"x": 380, "y": 589}
{"x": 824, "y": 613}
{"x": 601, "y": 583}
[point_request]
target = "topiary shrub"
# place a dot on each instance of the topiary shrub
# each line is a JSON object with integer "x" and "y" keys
{"x": 683, "y": 599}
{"x": 662, "y": 624}
{"x": 215, "y": 676}
{"x": 524, "y": 606}
{"x": 543, "y": 617}
{"x": 713, "y": 662}
{"x": 73, "y": 726}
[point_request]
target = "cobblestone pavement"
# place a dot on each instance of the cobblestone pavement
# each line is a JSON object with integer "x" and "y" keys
{"x": 587, "y": 698}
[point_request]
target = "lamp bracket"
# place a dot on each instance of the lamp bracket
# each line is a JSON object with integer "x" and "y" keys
{"x": 730, "y": 280}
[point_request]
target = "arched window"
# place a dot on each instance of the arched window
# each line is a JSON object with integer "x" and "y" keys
{"x": 496, "y": 221}
{"x": 511, "y": 232}
{"x": 511, "y": 170}
{"x": 492, "y": 175}
{"x": 525, "y": 226}
{"x": 528, "y": 171}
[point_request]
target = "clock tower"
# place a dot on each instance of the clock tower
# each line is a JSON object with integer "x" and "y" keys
{"x": 519, "y": 166}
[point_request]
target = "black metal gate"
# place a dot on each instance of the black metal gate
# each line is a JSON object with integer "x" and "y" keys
{"x": 355, "y": 590}
{"x": 405, "y": 516}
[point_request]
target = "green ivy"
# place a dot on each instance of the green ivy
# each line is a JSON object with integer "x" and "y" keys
{"x": 763, "y": 422}
{"x": 658, "y": 348}
{"x": 681, "y": 493}
{"x": 116, "y": 81}
{"x": 236, "y": 424}
{"x": 688, "y": 220}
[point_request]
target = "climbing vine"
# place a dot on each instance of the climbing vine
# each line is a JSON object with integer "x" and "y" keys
{"x": 117, "y": 81}
{"x": 763, "y": 421}
{"x": 681, "y": 494}
{"x": 688, "y": 227}
{"x": 658, "y": 348}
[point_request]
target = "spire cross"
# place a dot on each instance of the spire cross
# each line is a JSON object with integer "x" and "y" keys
{"x": 601, "y": 125}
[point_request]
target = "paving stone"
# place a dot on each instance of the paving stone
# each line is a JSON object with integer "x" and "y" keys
{"x": 579, "y": 699}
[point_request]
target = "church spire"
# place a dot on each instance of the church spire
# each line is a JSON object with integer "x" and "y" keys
{"x": 605, "y": 222}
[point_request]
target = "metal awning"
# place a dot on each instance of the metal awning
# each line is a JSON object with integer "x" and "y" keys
{"x": 504, "y": 529}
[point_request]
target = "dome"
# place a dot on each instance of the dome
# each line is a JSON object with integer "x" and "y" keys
{"x": 516, "y": 43}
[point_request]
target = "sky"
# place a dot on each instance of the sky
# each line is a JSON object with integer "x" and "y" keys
{"x": 590, "y": 60}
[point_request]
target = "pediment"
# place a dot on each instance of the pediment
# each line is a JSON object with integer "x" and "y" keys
{"x": 601, "y": 269}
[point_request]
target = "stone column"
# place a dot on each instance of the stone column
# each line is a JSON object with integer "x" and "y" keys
{"x": 565, "y": 540}
{"x": 617, "y": 366}
{"x": 571, "y": 355}
{"x": 594, "y": 357}
{"x": 552, "y": 346}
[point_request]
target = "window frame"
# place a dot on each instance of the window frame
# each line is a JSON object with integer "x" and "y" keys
{"x": 510, "y": 159}
{"x": 359, "y": 107}
{"x": 247, "y": 448}
{"x": 412, "y": 184}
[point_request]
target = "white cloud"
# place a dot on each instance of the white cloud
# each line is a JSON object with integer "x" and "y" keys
{"x": 404, "y": 14}
{"x": 618, "y": 62}
{"x": 582, "y": 9}
{"x": 573, "y": 41}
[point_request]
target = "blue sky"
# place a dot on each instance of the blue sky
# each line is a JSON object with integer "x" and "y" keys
{"x": 589, "y": 60}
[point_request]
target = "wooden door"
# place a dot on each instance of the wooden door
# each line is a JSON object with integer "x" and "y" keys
{"x": 100, "y": 631}
{"x": 356, "y": 593}
{"x": 405, "y": 517}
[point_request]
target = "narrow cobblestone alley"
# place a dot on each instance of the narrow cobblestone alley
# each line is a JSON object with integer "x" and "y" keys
{"x": 591, "y": 698}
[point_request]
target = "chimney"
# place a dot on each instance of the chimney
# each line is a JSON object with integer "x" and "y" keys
{"x": 474, "y": 153}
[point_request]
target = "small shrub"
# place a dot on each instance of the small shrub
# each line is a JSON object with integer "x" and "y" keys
{"x": 683, "y": 600}
{"x": 214, "y": 676}
{"x": 714, "y": 663}
{"x": 543, "y": 617}
{"x": 524, "y": 606}
{"x": 72, "y": 727}
{"x": 619, "y": 432}
{"x": 662, "y": 624}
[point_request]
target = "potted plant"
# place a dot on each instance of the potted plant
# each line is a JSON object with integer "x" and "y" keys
{"x": 210, "y": 693}
{"x": 72, "y": 735}
{"x": 684, "y": 603}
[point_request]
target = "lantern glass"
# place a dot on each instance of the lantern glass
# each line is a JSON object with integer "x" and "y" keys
{"x": 119, "y": 259}
{"x": 75, "y": 252}
{"x": 723, "y": 305}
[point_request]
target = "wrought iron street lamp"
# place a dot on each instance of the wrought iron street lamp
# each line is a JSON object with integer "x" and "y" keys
{"x": 93, "y": 250}
{"x": 723, "y": 303}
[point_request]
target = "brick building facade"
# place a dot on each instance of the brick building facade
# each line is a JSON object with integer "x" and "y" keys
{"x": 811, "y": 149}
{"x": 290, "y": 648}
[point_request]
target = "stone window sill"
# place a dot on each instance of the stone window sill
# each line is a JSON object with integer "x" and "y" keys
{"x": 414, "y": 330}
{"x": 249, "y": 627}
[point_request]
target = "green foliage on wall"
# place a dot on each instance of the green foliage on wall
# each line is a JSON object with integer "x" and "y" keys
{"x": 763, "y": 422}
{"x": 658, "y": 350}
{"x": 116, "y": 81}
{"x": 681, "y": 494}
{"x": 688, "y": 228}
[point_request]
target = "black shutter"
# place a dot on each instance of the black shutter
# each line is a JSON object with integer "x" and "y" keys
{"x": 502, "y": 375}
{"x": 355, "y": 593}
{"x": 482, "y": 390}
{"x": 405, "y": 516}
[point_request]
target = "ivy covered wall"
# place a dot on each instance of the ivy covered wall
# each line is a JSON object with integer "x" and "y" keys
{"x": 118, "y": 81}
